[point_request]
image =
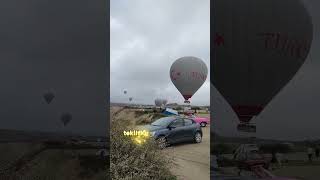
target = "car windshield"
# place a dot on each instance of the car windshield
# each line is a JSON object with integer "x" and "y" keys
{"x": 163, "y": 121}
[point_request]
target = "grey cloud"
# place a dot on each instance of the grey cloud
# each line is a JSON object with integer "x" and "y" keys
{"x": 162, "y": 31}
{"x": 55, "y": 45}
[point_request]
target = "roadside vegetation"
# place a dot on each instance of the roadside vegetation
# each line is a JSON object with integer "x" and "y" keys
{"x": 129, "y": 160}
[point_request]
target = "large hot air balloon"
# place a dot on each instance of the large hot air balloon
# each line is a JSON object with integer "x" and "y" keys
{"x": 258, "y": 47}
{"x": 66, "y": 118}
{"x": 188, "y": 74}
{"x": 48, "y": 97}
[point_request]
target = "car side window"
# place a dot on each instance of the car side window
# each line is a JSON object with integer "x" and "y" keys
{"x": 188, "y": 122}
{"x": 177, "y": 123}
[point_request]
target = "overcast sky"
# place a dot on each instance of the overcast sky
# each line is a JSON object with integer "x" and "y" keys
{"x": 294, "y": 113}
{"x": 53, "y": 46}
{"x": 146, "y": 38}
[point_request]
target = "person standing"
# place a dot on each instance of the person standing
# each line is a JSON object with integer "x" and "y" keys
{"x": 310, "y": 153}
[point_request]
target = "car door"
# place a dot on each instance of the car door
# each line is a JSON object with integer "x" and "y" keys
{"x": 176, "y": 131}
{"x": 189, "y": 128}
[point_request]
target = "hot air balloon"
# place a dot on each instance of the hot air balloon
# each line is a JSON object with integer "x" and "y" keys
{"x": 188, "y": 74}
{"x": 48, "y": 97}
{"x": 158, "y": 102}
{"x": 258, "y": 47}
{"x": 125, "y": 91}
{"x": 130, "y": 98}
{"x": 66, "y": 118}
{"x": 164, "y": 102}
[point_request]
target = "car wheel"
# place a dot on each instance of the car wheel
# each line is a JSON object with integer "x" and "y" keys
{"x": 203, "y": 124}
{"x": 162, "y": 142}
{"x": 197, "y": 137}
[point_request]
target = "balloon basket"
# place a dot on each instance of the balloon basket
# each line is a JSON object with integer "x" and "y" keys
{"x": 247, "y": 127}
{"x": 187, "y": 102}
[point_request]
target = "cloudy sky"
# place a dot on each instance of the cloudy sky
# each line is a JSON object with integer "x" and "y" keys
{"x": 44, "y": 47}
{"x": 293, "y": 113}
{"x": 146, "y": 38}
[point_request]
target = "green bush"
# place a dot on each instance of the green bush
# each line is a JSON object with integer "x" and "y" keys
{"x": 131, "y": 161}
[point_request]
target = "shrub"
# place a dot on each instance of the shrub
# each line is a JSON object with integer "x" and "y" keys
{"x": 131, "y": 161}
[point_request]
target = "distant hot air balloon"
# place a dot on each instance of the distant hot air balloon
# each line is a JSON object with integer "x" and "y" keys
{"x": 125, "y": 91}
{"x": 130, "y": 98}
{"x": 164, "y": 102}
{"x": 158, "y": 102}
{"x": 66, "y": 118}
{"x": 48, "y": 97}
{"x": 188, "y": 74}
{"x": 258, "y": 47}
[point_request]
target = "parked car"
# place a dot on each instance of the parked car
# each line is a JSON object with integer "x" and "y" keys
{"x": 174, "y": 129}
{"x": 203, "y": 121}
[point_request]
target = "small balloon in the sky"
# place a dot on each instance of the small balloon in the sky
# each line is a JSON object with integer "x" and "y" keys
{"x": 125, "y": 91}
{"x": 130, "y": 99}
{"x": 164, "y": 102}
{"x": 157, "y": 102}
{"x": 160, "y": 102}
{"x": 66, "y": 118}
{"x": 48, "y": 97}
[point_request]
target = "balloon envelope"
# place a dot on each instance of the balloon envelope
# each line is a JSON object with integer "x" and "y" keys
{"x": 160, "y": 102}
{"x": 48, "y": 97}
{"x": 164, "y": 102}
{"x": 66, "y": 118}
{"x": 125, "y": 91}
{"x": 258, "y": 47}
{"x": 130, "y": 99}
{"x": 188, "y": 74}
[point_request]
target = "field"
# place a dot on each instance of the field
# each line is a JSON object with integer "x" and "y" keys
{"x": 36, "y": 160}
{"x": 297, "y": 167}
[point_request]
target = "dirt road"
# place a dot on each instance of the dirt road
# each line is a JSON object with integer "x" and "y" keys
{"x": 192, "y": 160}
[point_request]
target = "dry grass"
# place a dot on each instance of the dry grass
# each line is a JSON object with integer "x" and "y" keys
{"x": 134, "y": 117}
{"x": 60, "y": 165}
{"x": 11, "y": 152}
{"x": 300, "y": 172}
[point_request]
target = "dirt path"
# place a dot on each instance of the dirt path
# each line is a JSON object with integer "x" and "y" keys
{"x": 192, "y": 160}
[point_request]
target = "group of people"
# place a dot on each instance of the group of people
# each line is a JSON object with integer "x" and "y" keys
{"x": 312, "y": 151}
